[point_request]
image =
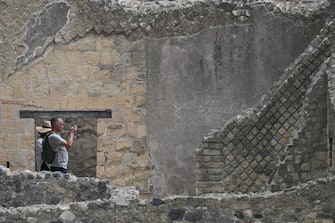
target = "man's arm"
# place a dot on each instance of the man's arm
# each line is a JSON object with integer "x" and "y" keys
{"x": 68, "y": 142}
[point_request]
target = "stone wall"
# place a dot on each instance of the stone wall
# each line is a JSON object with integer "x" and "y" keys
{"x": 208, "y": 85}
{"x": 282, "y": 143}
{"x": 92, "y": 73}
{"x": 45, "y": 197}
{"x": 162, "y": 67}
{"x": 138, "y": 59}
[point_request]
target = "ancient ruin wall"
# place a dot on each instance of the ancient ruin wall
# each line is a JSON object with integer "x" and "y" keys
{"x": 92, "y": 73}
{"x": 76, "y": 54}
{"x": 282, "y": 143}
{"x": 229, "y": 70}
{"x": 44, "y": 197}
{"x": 100, "y": 55}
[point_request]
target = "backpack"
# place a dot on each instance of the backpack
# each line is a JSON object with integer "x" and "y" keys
{"x": 48, "y": 154}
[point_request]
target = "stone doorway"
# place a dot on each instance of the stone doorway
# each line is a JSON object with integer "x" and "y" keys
{"x": 83, "y": 155}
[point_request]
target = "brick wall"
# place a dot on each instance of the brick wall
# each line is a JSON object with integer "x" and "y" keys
{"x": 280, "y": 144}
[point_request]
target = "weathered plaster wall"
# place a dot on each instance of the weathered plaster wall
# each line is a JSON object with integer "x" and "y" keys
{"x": 120, "y": 55}
{"x": 198, "y": 82}
{"x": 284, "y": 141}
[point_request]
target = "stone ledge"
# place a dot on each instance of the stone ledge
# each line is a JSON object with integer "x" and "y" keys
{"x": 312, "y": 201}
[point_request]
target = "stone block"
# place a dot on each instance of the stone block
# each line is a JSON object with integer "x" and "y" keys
{"x": 9, "y": 112}
{"x": 140, "y": 102}
{"x": 131, "y": 73}
{"x": 138, "y": 146}
{"x": 133, "y": 116}
{"x": 322, "y": 156}
{"x": 116, "y": 129}
{"x": 143, "y": 159}
{"x": 82, "y": 72}
{"x": 103, "y": 103}
{"x": 125, "y": 102}
{"x": 214, "y": 171}
{"x": 118, "y": 115}
{"x": 131, "y": 129}
{"x": 126, "y": 172}
{"x": 101, "y": 158}
{"x": 104, "y": 43}
{"x": 91, "y": 57}
{"x": 26, "y": 141}
{"x": 137, "y": 87}
{"x": 100, "y": 171}
{"x": 141, "y": 184}
{"x": 106, "y": 143}
{"x": 50, "y": 57}
{"x": 141, "y": 131}
{"x": 122, "y": 144}
{"x": 114, "y": 158}
{"x": 316, "y": 164}
{"x": 6, "y": 92}
{"x": 110, "y": 57}
{"x": 73, "y": 57}
{"x": 72, "y": 46}
{"x": 119, "y": 182}
{"x": 327, "y": 220}
{"x": 15, "y": 127}
{"x": 111, "y": 172}
{"x": 142, "y": 172}
{"x": 201, "y": 159}
{"x": 60, "y": 56}
{"x": 87, "y": 43}
{"x": 305, "y": 167}
{"x": 138, "y": 58}
{"x": 212, "y": 152}
{"x": 112, "y": 88}
{"x": 98, "y": 74}
{"x": 77, "y": 101}
{"x": 306, "y": 176}
{"x": 101, "y": 128}
{"x": 20, "y": 92}
{"x": 210, "y": 164}
{"x": 53, "y": 102}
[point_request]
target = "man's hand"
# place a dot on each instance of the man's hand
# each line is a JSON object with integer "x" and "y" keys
{"x": 74, "y": 129}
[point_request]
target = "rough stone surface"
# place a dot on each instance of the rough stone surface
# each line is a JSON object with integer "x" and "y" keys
{"x": 312, "y": 201}
{"x": 42, "y": 27}
{"x": 217, "y": 74}
{"x": 170, "y": 71}
{"x": 282, "y": 143}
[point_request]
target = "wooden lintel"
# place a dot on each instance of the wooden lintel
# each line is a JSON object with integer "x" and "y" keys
{"x": 47, "y": 114}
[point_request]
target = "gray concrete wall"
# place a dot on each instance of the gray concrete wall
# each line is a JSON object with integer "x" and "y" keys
{"x": 198, "y": 82}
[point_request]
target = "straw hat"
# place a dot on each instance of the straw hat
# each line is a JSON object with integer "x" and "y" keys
{"x": 46, "y": 127}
